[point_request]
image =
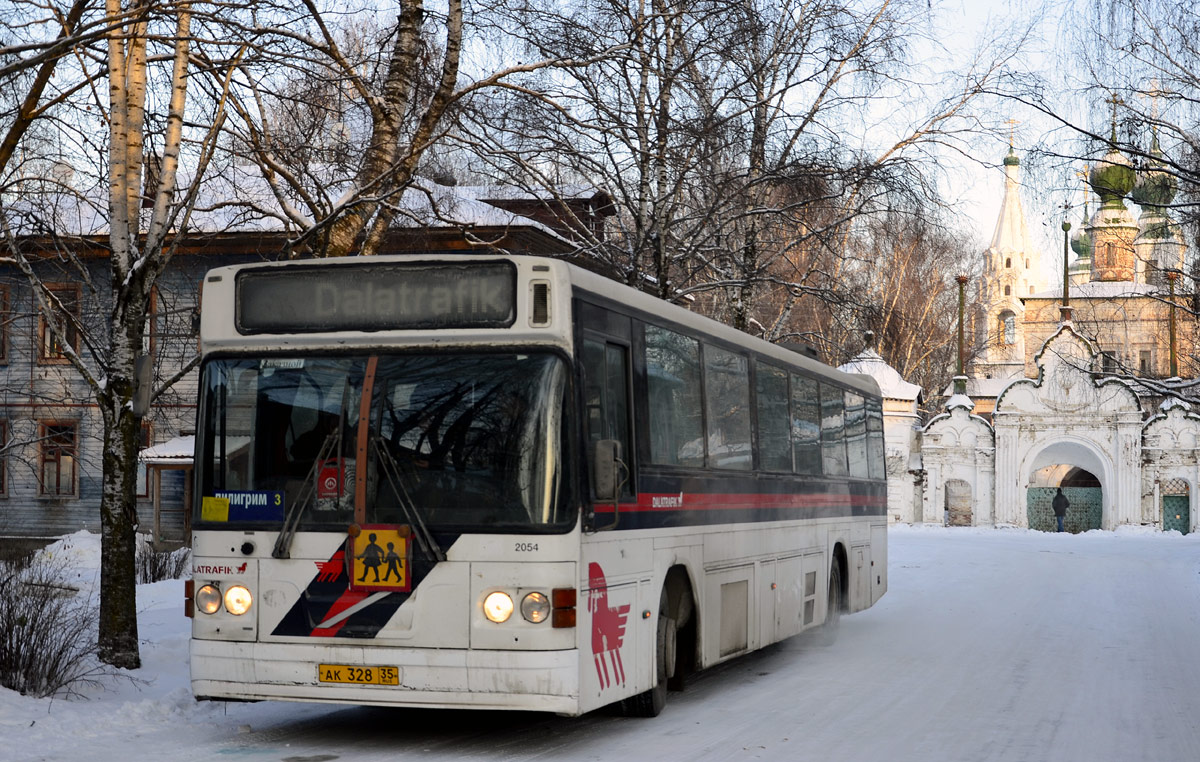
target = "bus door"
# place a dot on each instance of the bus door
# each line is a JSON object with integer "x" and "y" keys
{"x": 610, "y": 571}
{"x": 607, "y": 392}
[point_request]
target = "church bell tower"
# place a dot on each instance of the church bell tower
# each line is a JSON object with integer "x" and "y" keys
{"x": 1011, "y": 270}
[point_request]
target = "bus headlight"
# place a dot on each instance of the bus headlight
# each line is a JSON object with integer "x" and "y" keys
{"x": 535, "y": 607}
{"x": 237, "y": 600}
{"x": 498, "y": 607}
{"x": 208, "y": 599}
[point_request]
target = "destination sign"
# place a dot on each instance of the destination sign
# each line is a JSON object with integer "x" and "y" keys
{"x": 376, "y": 297}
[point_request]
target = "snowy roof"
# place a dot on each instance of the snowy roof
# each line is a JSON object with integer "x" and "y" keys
{"x": 513, "y": 193}
{"x": 1171, "y": 403}
{"x": 869, "y": 363}
{"x": 433, "y": 205}
{"x": 960, "y": 400}
{"x": 239, "y": 200}
{"x": 175, "y": 451}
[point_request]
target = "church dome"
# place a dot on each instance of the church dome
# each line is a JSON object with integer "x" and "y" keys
{"x": 1011, "y": 159}
{"x": 1081, "y": 242}
{"x": 1154, "y": 186}
{"x": 1113, "y": 178}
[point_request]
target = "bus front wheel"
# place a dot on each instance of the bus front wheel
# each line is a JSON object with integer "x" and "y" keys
{"x": 651, "y": 702}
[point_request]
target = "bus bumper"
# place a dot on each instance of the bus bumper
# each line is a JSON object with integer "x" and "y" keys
{"x": 544, "y": 681}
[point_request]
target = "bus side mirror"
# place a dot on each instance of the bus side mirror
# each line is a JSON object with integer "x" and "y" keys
{"x": 605, "y": 474}
{"x": 606, "y": 478}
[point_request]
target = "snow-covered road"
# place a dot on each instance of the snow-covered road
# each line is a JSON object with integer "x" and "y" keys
{"x": 1002, "y": 645}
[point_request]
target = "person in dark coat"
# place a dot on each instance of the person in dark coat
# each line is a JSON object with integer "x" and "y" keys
{"x": 1060, "y": 505}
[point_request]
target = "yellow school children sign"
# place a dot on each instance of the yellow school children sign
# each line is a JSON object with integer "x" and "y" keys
{"x": 379, "y": 558}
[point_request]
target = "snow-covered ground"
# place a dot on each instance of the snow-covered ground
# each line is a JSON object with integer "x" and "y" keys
{"x": 996, "y": 645}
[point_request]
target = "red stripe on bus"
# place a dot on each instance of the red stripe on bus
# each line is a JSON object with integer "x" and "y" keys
{"x": 345, "y": 601}
{"x": 710, "y": 501}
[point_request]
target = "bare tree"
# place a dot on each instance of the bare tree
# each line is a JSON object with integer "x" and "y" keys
{"x": 29, "y": 69}
{"x": 1129, "y": 85}
{"x": 108, "y": 200}
{"x": 724, "y": 131}
{"x": 337, "y": 112}
{"x": 910, "y": 296}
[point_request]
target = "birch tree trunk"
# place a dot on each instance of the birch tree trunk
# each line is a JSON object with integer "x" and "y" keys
{"x": 118, "y": 637}
{"x": 135, "y": 261}
{"x": 392, "y": 155}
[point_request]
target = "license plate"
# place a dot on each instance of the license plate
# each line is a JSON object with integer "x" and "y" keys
{"x": 347, "y": 673}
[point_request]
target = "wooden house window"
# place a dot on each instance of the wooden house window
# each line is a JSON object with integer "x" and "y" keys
{"x": 3, "y": 457}
{"x": 58, "y": 446}
{"x": 54, "y": 342}
{"x": 5, "y": 320}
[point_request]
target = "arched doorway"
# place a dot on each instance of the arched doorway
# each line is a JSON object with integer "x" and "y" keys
{"x": 1082, "y": 489}
{"x": 1176, "y": 500}
{"x": 958, "y": 503}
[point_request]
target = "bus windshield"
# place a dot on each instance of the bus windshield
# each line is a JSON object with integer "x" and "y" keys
{"x": 456, "y": 442}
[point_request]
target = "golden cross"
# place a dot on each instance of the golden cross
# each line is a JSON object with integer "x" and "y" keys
{"x": 1153, "y": 94}
{"x": 1115, "y": 100}
{"x": 1083, "y": 178}
{"x": 1012, "y": 127}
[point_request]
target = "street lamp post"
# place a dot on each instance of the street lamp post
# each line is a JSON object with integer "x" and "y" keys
{"x": 1172, "y": 276}
{"x": 1066, "y": 299}
{"x": 960, "y": 380}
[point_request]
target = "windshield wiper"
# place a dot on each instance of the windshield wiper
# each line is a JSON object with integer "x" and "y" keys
{"x": 332, "y": 443}
{"x": 391, "y": 469}
{"x": 291, "y": 522}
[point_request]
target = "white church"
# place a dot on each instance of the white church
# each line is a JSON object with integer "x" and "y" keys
{"x": 1069, "y": 384}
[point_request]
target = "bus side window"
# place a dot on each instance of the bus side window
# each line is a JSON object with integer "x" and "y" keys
{"x": 856, "y": 434}
{"x": 833, "y": 434}
{"x": 606, "y": 398}
{"x": 875, "y": 445}
{"x": 727, "y": 397}
{"x": 806, "y": 425}
{"x": 675, "y": 414}
{"x": 774, "y": 440}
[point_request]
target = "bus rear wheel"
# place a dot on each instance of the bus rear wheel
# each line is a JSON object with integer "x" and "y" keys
{"x": 828, "y": 633}
{"x": 651, "y": 702}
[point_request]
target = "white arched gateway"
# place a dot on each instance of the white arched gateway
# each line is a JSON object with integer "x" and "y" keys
{"x": 1171, "y": 468}
{"x": 1062, "y": 423}
{"x": 958, "y": 455}
{"x": 1081, "y": 471}
{"x": 1065, "y": 429}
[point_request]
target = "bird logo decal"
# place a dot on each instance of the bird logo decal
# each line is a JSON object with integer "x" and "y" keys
{"x": 608, "y": 629}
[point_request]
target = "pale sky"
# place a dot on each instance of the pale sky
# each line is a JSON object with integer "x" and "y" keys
{"x": 960, "y": 25}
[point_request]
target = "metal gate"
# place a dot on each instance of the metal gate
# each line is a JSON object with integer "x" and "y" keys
{"x": 1175, "y": 505}
{"x": 1084, "y": 512}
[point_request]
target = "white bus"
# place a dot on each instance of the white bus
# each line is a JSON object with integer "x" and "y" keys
{"x": 506, "y": 482}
